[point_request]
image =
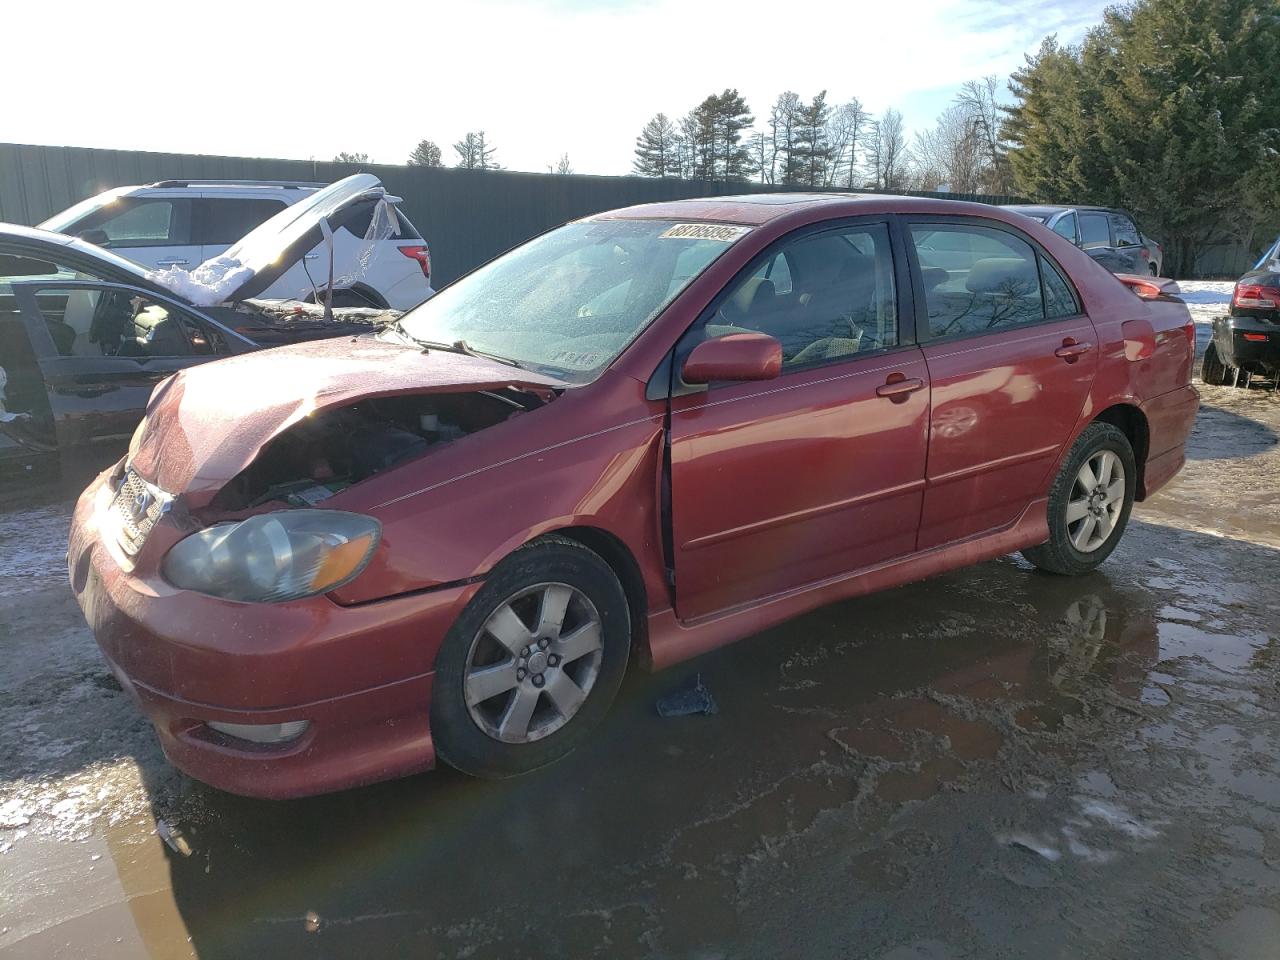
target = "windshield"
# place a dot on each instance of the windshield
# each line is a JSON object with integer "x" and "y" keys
{"x": 568, "y": 302}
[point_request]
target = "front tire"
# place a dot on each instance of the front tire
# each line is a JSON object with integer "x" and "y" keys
{"x": 1089, "y": 502}
{"x": 533, "y": 662}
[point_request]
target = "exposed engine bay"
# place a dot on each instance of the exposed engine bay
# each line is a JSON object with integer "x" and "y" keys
{"x": 329, "y": 451}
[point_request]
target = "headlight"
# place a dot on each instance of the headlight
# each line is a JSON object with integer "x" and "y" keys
{"x": 274, "y": 556}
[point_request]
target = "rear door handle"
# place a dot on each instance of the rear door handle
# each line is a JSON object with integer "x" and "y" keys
{"x": 1072, "y": 350}
{"x": 898, "y": 387}
{"x": 171, "y": 263}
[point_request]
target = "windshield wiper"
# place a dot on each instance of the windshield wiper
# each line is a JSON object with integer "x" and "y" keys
{"x": 458, "y": 346}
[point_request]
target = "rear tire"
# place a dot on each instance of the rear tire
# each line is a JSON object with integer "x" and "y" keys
{"x": 1212, "y": 370}
{"x": 1089, "y": 502}
{"x": 512, "y": 692}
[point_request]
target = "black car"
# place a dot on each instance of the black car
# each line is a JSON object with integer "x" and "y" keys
{"x": 1109, "y": 236}
{"x": 1247, "y": 343}
{"x": 85, "y": 335}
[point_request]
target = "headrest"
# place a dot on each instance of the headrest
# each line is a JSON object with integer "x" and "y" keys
{"x": 1013, "y": 276}
{"x": 933, "y": 277}
{"x": 754, "y": 295}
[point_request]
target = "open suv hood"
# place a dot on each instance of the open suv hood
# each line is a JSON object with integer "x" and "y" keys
{"x": 208, "y": 423}
{"x": 263, "y": 255}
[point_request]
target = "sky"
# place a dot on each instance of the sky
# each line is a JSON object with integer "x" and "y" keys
{"x": 541, "y": 78}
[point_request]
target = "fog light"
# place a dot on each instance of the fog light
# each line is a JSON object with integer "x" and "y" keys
{"x": 262, "y": 732}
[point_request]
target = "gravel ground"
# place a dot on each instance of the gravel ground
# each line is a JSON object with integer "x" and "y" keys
{"x": 990, "y": 763}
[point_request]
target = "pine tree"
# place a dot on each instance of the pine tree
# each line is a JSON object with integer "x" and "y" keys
{"x": 1169, "y": 108}
{"x": 475, "y": 153}
{"x": 656, "y": 149}
{"x": 812, "y": 151}
{"x": 425, "y": 154}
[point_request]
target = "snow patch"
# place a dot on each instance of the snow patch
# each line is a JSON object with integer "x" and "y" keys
{"x": 208, "y": 284}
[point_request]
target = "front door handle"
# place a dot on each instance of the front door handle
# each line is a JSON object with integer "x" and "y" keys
{"x": 171, "y": 263}
{"x": 899, "y": 386}
{"x": 1072, "y": 349}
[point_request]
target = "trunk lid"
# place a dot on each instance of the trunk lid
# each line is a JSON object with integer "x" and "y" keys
{"x": 207, "y": 423}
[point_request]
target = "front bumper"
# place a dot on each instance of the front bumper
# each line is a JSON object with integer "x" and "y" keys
{"x": 361, "y": 675}
{"x": 1247, "y": 342}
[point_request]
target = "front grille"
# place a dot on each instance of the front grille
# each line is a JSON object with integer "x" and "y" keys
{"x": 137, "y": 506}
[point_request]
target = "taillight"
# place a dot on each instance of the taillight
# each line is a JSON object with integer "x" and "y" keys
{"x": 1256, "y": 337}
{"x": 422, "y": 255}
{"x": 1256, "y": 296}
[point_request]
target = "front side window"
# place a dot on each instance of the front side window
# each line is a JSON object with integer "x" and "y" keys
{"x": 1066, "y": 227}
{"x": 826, "y": 297}
{"x": 92, "y": 322}
{"x": 568, "y": 302}
{"x": 1094, "y": 231}
{"x": 991, "y": 281}
{"x": 135, "y": 222}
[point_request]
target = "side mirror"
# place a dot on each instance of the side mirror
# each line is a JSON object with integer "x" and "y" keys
{"x": 736, "y": 357}
{"x": 94, "y": 236}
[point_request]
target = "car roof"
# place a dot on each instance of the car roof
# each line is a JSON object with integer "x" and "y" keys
{"x": 34, "y": 235}
{"x": 755, "y": 209}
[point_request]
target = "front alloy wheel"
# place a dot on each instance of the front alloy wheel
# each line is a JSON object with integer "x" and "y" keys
{"x": 533, "y": 662}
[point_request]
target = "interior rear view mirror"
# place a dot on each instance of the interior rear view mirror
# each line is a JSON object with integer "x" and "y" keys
{"x": 94, "y": 236}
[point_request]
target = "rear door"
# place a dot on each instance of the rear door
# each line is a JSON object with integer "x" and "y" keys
{"x": 1097, "y": 242}
{"x": 1128, "y": 245}
{"x": 1011, "y": 357}
{"x": 781, "y": 483}
{"x": 101, "y": 348}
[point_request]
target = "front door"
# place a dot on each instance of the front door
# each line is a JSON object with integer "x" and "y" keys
{"x": 101, "y": 350}
{"x": 1011, "y": 357}
{"x": 783, "y": 483}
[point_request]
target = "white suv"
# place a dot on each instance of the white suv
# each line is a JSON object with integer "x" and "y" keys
{"x": 183, "y": 223}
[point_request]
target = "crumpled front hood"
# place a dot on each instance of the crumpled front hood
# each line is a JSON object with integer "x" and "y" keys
{"x": 207, "y": 423}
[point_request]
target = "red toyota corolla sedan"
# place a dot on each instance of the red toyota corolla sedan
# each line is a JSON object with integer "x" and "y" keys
{"x": 632, "y": 439}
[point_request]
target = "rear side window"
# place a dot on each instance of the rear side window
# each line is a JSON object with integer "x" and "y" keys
{"x": 976, "y": 279}
{"x": 1094, "y": 231}
{"x": 1126, "y": 233}
{"x": 1059, "y": 301}
{"x": 226, "y": 220}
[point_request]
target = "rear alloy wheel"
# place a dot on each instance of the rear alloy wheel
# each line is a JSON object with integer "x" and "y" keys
{"x": 1089, "y": 503}
{"x": 533, "y": 662}
{"x": 1212, "y": 370}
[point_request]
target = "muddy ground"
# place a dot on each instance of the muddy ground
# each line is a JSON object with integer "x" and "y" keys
{"x": 991, "y": 763}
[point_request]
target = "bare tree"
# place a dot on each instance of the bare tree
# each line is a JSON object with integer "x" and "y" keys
{"x": 562, "y": 166}
{"x": 783, "y": 118}
{"x": 845, "y": 128}
{"x": 951, "y": 154}
{"x": 887, "y": 154}
{"x": 344, "y": 157}
{"x": 978, "y": 98}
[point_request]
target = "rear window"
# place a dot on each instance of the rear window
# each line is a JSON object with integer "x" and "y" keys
{"x": 358, "y": 224}
{"x": 1126, "y": 233}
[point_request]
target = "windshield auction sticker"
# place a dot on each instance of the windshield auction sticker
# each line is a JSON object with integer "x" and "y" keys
{"x": 725, "y": 233}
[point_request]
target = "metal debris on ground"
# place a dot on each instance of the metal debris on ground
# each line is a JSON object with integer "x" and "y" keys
{"x": 173, "y": 838}
{"x": 686, "y": 702}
